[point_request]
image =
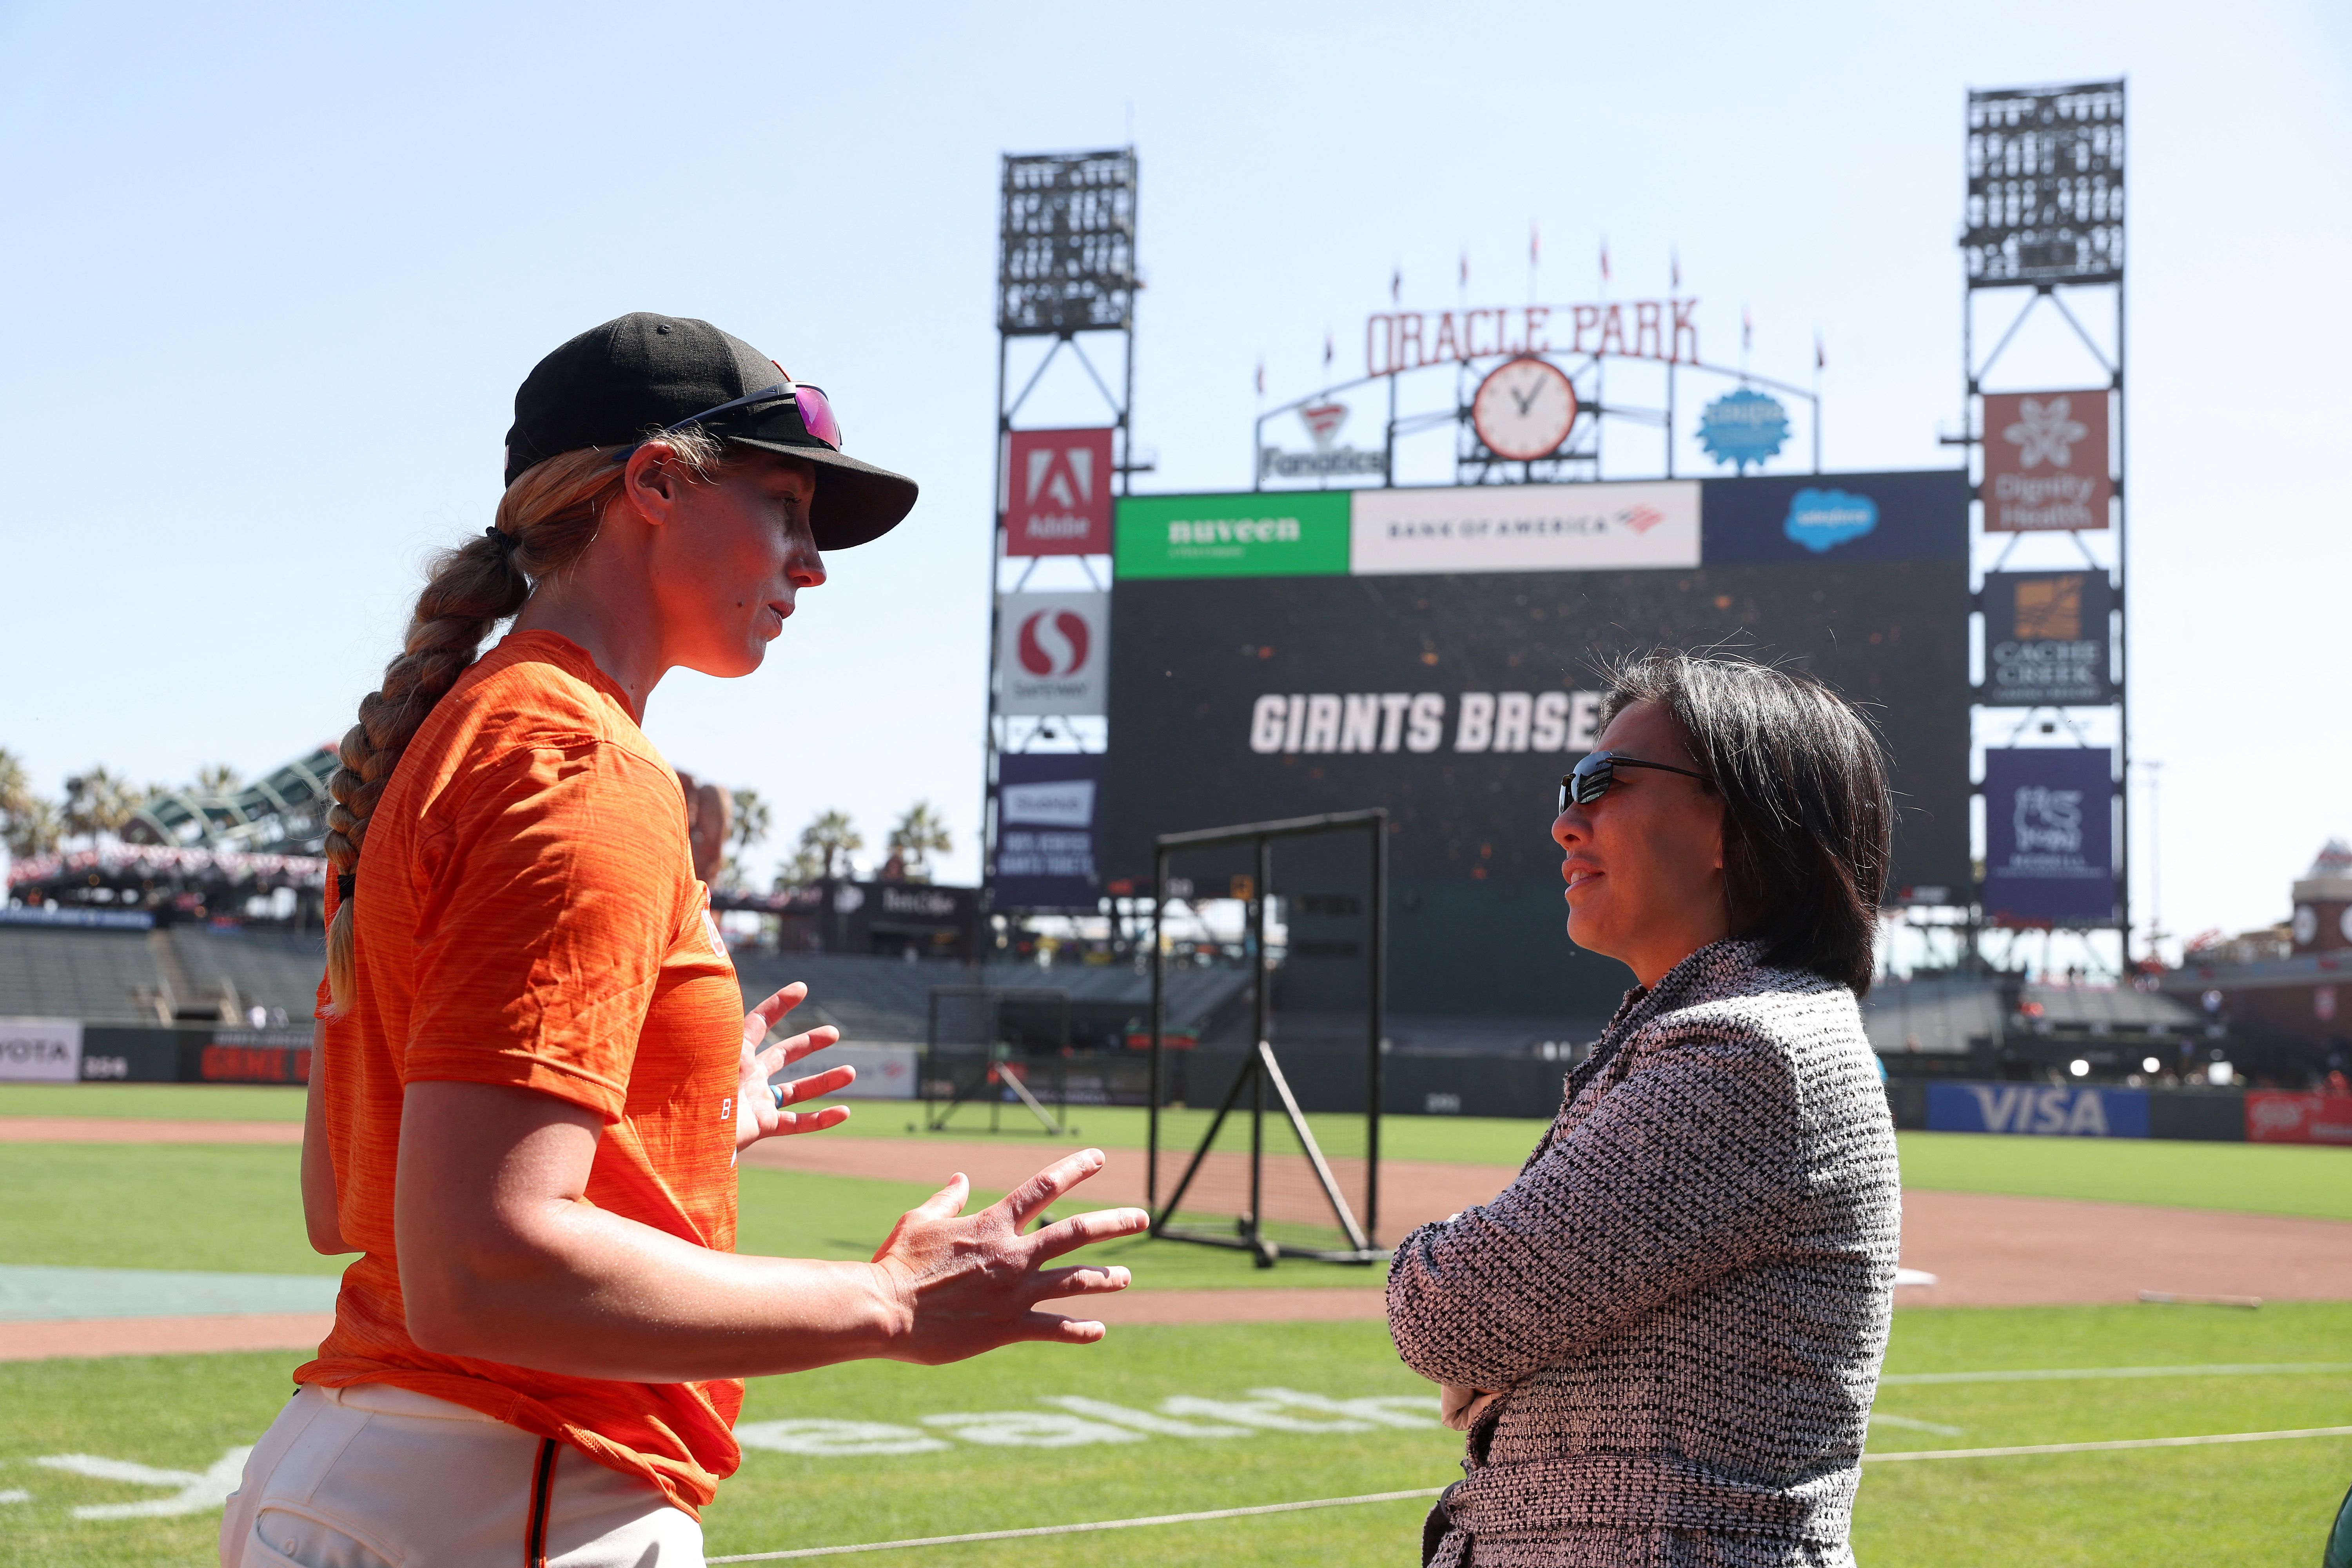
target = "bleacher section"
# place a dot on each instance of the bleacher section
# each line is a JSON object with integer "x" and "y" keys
{"x": 887, "y": 1001}
{"x": 92, "y": 975}
{"x": 276, "y": 970}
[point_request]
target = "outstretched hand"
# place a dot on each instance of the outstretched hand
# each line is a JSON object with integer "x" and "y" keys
{"x": 970, "y": 1283}
{"x": 757, "y": 1114}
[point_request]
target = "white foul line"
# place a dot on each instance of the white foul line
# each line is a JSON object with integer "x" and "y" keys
{"x": 2075, "y": 1374}
{"x": 2096, "y": 1447}
{"x": 1432, "y": 1491}
{"x": 1079, "y": 1528}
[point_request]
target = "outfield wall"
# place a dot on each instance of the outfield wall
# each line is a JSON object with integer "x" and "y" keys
{"x": 1325, "y": 1081}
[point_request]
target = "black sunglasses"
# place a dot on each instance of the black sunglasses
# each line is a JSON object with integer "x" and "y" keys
{"x": 1597, "y": 774}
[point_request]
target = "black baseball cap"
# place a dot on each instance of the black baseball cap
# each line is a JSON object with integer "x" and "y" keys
{"x": 615, "y": 385}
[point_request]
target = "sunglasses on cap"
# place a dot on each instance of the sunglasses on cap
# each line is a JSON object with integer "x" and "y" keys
{"x": 1597, "y": 774}
{"x": 816, "y": 416}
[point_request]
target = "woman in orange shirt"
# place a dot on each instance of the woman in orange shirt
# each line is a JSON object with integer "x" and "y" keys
{"x": 532, "y": 1075}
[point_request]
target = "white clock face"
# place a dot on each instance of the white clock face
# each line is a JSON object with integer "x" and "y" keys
{"x": 1524, "y": 409}
{"x": 2306, "y": 925}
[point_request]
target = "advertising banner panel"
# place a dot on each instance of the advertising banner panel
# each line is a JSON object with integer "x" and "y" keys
{"x": 1053, "y": 653}
{"x": 1837, "y": 517}
{"x": 1526, "y": 528}
{"x": 884, "y": 1072}
{"x": 2049, "y": 836}
{"x": 1049, "y": 811}
{"x": 1298, "y": 534}
{"x": 41, "y": 1050}
{"x": 1058, "y": 497}
{"x": 2046, "y": 638}
{"x": 2047, "y": 461}
{"x": 2275, "y": 1116}
{"x": 2041, "y": 1110}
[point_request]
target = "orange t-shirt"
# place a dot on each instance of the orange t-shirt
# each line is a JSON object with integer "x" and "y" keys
{"x": 528, "y": 914}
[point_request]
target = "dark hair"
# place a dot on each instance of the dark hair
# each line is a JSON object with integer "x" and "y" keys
{"x": 1807, "y": 813}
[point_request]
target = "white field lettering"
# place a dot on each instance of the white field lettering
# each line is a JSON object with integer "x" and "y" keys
{"x": 1321, "y": 722}
{"x": 1078, "y": 1421}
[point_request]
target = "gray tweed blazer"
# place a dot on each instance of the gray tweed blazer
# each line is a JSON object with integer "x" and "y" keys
{"x": 1685, "y": 1293}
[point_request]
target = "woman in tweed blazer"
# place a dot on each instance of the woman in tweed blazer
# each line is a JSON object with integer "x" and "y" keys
{"x": 1663, "y": 1339}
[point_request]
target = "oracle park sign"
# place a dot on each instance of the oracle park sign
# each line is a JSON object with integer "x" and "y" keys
{"x": 1439, "y": 652}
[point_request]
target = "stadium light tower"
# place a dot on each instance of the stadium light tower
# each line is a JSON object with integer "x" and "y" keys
{"x": 1066, "y": 280}
{"x": 2045, "y": 218}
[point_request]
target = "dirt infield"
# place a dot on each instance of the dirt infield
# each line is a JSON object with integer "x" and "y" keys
{"x": 1995, "y": 1251}
{"x": 1986, "y": 1250}
{"x": 164, "y": 1336}
{"x": 1412, "y": 1191}
{"x": 303, "y": 1330}
{"x": 125, "y": 1130}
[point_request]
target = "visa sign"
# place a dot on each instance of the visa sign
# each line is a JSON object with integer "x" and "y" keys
{"x": 2051, "y": 1111}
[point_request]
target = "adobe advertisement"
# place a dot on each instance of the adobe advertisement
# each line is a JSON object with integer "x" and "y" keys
{"x": 1057, "y": 492}
{"x": 1053, "y": 653}
{"x": 2046, "y": 638}
{"x": 2045, "y": 461}
{"x": 1047, "y": 809}
{"x": 2049, "y": 836}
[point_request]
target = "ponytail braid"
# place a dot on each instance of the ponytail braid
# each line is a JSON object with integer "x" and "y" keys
{"x": 546, "y": 522}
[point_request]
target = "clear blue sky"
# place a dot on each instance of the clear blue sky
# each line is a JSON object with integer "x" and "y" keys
{"x": 273, "y": 274}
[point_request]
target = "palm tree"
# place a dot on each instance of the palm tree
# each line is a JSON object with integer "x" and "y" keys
{"x": 751, "y": 817}
{"x": 920, "y": 834}
{"x": 99, "y": 802}
{"x": 33, "y": 828}
{"x": 828, "y": 834}
{"x": 15, "y": 784}
{"x": 216, "y": 778}
{"x": 806, "y": 865}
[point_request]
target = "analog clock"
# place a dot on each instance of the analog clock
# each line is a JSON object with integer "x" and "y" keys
{"x": 1524, "y": 409}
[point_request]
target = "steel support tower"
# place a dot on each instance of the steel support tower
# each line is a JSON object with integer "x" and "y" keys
{"x": 2046, "y": 215}
{"x": 1066, "y": 274}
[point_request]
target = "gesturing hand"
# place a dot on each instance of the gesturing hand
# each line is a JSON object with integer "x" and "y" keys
{"x": 757, "y": 1114}
{"x": 970, "y": 1284}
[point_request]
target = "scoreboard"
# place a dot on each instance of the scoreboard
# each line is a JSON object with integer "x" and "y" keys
{"x": 1441, "y": 652}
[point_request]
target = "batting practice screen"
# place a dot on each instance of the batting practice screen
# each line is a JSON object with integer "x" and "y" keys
{"x": 1440, "y": 653}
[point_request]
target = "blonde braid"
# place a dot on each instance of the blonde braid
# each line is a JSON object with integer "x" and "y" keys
{"x": 546, "y": 522}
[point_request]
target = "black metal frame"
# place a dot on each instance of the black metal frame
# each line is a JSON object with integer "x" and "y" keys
{"x": 1261, "y": 1069}
{"x": 1065, "y": 269}
{"x": 2046, "y": 210}
{"x": 997, "y": 1056}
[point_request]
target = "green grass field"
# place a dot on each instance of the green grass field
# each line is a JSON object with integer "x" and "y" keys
{"x": 2252, "y": 1178}
{"x": 234, "y": 1209}
{"x": 2251, "y": 1504}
